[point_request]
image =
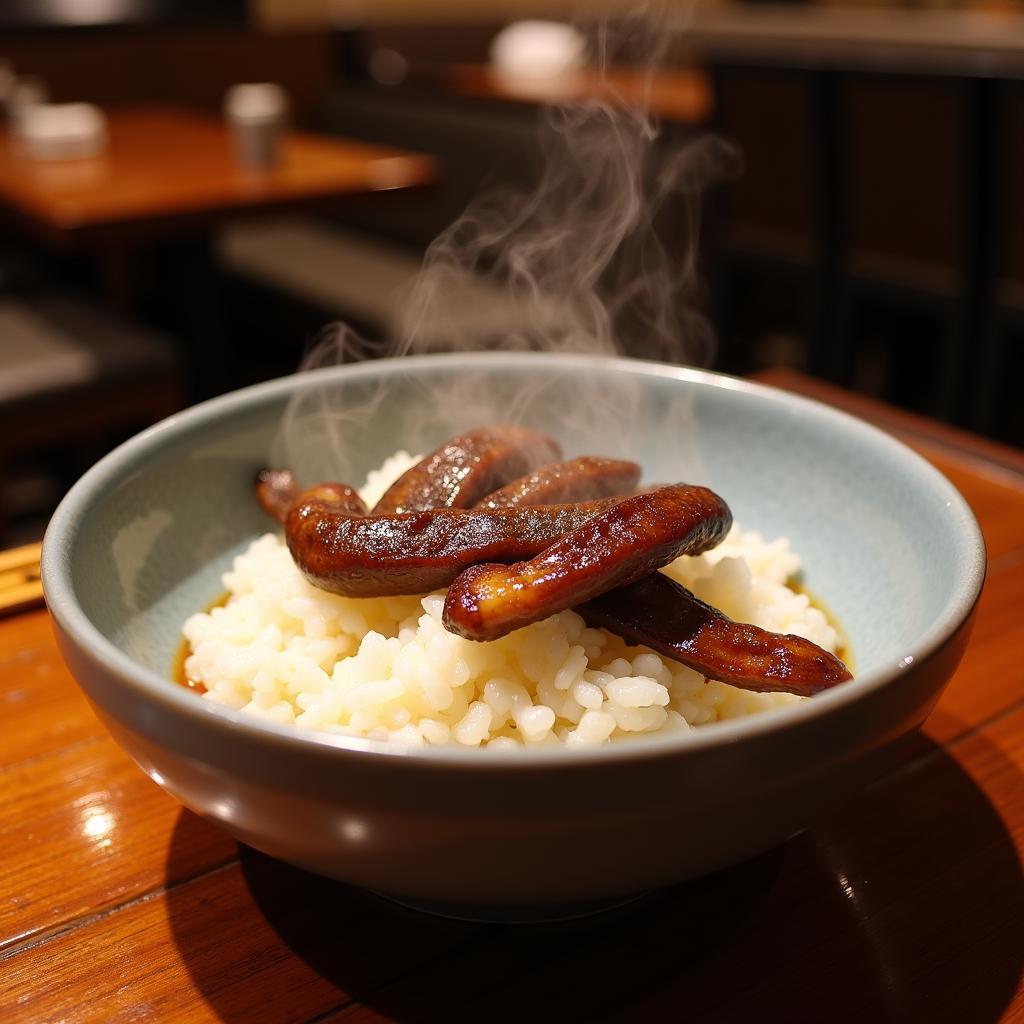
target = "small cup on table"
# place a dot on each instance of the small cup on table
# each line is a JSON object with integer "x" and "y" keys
{"x": 258, "y": 114}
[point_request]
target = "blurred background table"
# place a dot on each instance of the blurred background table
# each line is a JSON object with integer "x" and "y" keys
{"x": 169, "y": 179}
{"x": 172, "y": 170}
{"x": 677, "y": 95}
{"x": 905, "y": 904}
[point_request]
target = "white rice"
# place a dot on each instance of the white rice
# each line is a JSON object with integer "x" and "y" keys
{"x": 386, "y": 668}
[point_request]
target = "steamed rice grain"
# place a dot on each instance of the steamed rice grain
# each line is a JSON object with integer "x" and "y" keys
{"x": 386, "y": 669}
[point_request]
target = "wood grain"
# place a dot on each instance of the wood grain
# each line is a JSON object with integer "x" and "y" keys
{"x": 852, "y": 900}
{"x": 90, "y": 805}
{"x": 168, "y": 167}
{"x": 42, "y": 708}
{"x": 128, "y": 965}
{"x": 256, "y": 940}
{"x": 990, "y": 679}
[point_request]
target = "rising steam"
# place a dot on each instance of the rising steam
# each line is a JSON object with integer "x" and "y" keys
{"x": 579, "y": 264}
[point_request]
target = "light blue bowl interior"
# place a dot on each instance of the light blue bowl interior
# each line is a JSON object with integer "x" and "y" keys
{"x": 887, "y": 544}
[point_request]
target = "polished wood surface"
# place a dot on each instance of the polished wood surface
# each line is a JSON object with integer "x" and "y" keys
{"x": 169, "y": 168}
{"x": 681, "y": 95}
{"x": 904, "y": 904}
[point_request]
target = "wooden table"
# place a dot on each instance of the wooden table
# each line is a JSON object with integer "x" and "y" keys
{"x": 677, "y": 95}
{"x": 171, "y": 171}
{"x": 906, "y": 904}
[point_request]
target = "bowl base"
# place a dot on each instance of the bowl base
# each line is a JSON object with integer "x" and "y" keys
{"x": 511, "y": 913}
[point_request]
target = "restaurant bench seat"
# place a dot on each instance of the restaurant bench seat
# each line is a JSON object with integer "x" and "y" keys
{"x": 355, "y": 278}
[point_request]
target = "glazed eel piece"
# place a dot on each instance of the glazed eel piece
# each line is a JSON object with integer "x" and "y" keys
{"x": 658, "y": 613}
{"x": 628, "y": 541}
{"x": 340, "y": 549}
{"x": 468, "y": 467}
{"x": 654, "y": 610}
{"x": 584, "y": 479}
{"x": 277, "y": 491}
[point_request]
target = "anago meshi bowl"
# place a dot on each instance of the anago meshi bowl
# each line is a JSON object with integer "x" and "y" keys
{"x": 889, "y": 545}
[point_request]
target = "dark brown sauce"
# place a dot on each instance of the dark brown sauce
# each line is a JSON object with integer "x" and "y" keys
{"x": 178, "y": 673}
{"x": 842, "y": 652}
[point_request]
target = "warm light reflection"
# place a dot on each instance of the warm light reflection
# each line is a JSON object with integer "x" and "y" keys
{"x": 90, "y": 12}
{"x": 388, "y": 172}
{"x": 97, "y": 824}
{"x": 872, "y": 935}
{"x": 355, "y": 829}
{"x": 225, "y": 809}
{"x": 847, "y": 886}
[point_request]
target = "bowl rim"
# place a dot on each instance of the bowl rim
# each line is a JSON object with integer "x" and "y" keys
{"x": 63, "y": 605}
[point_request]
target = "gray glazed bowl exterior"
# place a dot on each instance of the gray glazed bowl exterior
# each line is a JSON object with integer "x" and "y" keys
{"x": 889, "y": 545}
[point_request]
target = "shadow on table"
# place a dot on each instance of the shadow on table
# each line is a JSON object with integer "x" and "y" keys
{"x": 907, "y": 905}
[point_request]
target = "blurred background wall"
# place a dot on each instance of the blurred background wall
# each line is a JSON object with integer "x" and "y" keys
{"x": 285, "y": 13}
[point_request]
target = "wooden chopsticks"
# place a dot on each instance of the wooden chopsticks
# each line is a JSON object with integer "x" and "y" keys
{"x": 20, "y": 586}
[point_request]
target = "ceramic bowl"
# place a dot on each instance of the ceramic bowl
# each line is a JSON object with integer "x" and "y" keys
{"x": 888, "y": 544}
